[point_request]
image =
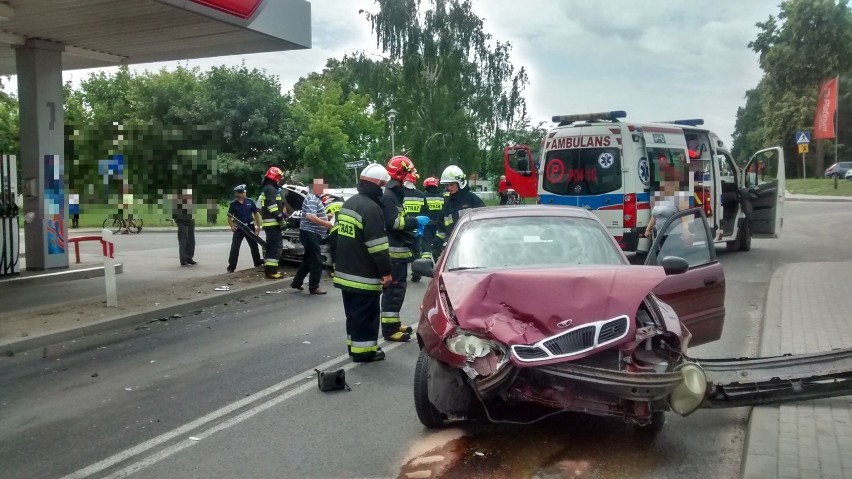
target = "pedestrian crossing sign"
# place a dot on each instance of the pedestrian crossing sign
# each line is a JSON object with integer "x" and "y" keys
{"x": 803, "y": 138}
{"x": 803, "y": 148}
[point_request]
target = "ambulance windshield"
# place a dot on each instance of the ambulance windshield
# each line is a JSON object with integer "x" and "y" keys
{"x": 582, "y": 171}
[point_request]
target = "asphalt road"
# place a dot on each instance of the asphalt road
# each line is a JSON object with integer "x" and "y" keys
{"x": 230, "y": 392}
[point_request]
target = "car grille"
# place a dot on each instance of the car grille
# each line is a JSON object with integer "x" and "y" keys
{"x": 578, "y": 340}
{"x": 612, "y": 329}
{"x": 572, "y": 342}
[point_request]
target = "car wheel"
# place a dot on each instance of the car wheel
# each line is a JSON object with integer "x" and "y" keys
{"x": 658, "y": 421}
{"x": 745, "y": 237}
{"x": 426, "y": 412}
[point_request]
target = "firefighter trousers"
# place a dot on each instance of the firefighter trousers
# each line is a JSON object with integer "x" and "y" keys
{"x": 393, "y": 296}
{"x": 362, "y": 324}
{"x": 274, "y": 244}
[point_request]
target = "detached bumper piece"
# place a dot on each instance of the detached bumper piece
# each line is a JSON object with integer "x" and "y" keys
{"x": 778, "y": 379}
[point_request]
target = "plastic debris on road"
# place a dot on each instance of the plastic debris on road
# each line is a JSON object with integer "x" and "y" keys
{"x": 306, "y": 342}
{"x": 193, "y": 438}
{"x": 275, "y": 292}
{"x": 222, "y": 288}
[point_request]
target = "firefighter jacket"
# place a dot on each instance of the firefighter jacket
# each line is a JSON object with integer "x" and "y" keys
{"x": 453, "y": 205}
{"x": 414, "y": 203}
{"x": 400, "y": 228}
{"x": 435, "y": 204}
{"x": 271, "y": 206}
{"x": 363, "y": 254}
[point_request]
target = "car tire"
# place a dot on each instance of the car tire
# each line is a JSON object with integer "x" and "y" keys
{"x": 426, "y": 412}
{"x": 745, "y": 237}
{"x": 735, "y": 244}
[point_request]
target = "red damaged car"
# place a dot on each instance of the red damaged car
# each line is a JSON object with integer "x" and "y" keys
{"x": 538, "y": 306}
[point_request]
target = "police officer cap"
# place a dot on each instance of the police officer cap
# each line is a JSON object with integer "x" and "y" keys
{"x": 240, "y": 188}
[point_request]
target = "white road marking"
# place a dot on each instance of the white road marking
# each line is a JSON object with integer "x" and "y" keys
{"x": 186, "y": 428}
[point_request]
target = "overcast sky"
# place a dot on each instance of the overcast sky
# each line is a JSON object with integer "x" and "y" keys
{"x": 658, "y": 59}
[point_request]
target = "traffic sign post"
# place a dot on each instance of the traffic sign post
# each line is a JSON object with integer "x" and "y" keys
{"x": 355, "y": 165}
{"x": 803, "y": 139}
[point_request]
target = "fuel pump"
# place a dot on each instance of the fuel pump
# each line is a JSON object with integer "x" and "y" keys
{"x": 9, "y": 211}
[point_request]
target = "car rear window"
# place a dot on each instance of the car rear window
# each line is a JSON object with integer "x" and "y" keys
{"x": 582, "y": 171}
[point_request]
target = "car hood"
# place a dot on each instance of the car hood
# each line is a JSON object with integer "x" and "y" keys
{"x": 525, "y": 306}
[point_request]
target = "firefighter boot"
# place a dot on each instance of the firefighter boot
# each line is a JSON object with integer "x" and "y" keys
{"x": 272, "y": 272}
{"x": 369, "y": 358}
{"x": 398, "y": 337}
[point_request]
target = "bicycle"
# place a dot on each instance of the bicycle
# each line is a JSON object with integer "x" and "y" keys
{"x": 116, "y": 224}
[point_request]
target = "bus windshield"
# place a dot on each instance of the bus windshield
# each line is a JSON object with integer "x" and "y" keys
{"x": 582, "y": 171}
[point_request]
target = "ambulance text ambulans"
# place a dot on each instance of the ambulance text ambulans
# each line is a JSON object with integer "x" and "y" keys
{"x": 610, "y": 166}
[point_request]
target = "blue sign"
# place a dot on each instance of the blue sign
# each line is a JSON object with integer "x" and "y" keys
{"x": 803, "y": 138}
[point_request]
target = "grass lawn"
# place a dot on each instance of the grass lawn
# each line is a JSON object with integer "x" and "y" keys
{"x": 819, "y": 187}
{"x": 93, "y": 216}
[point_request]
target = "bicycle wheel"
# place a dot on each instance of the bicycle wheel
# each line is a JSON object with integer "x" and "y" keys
{"x": 113, "y": 224}
{"x": 134, "y": 226}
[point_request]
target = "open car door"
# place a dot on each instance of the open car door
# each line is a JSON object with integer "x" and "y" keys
{"x": 697, "y": 295}
{"x": 763, "y": 192}
{"x": 520, "y": 170}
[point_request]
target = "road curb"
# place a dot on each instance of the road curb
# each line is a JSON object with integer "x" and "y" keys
{"x": 760, "y": 452}
{"x": 59, "y": 276}
{"x": 16, "y": 346}
{"x": 839, "y": 199}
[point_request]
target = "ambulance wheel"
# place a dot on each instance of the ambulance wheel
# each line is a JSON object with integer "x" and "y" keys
{"x": 736, "y": 244}
{"x": 745, "y": 237}
{"x": 658, "y": 421}
{"x": 426, "y": 412}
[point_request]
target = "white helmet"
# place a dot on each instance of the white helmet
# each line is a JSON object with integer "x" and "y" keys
{"x": 453, "y": 174}
{"x": 375, "y": 173}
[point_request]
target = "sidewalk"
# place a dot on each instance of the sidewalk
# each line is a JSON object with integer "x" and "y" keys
{"x": 47, "y": 307}
{"x": 807, "y": 310}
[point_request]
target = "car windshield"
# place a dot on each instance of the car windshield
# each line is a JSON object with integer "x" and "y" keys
{"x": 532, "y": 241}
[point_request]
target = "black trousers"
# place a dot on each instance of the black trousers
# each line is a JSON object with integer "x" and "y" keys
{"x": 236, "y": 242}
{"x": 274, "y": 244}
{"x": 362, "y": 323}
{"x": 186, "y": 242}
{"x": 311, "y": 262}
{"x": 392, "y": 298}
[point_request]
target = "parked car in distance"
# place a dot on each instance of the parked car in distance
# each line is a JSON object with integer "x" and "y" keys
{"x": 838, "y": 169}
{"x": 848, "y": 174}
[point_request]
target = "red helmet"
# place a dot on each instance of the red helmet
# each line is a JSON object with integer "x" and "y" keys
{"x": 412, "y": 177}
{"x": 399, "y": 167}
{"x": 431, "y": 181}
{"x": 274, "y": 173}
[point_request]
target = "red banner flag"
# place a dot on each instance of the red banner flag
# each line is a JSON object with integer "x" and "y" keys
{"x": 826, "y": 106}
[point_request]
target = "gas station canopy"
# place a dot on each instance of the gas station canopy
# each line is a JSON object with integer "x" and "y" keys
{"x": 101, "y": 33}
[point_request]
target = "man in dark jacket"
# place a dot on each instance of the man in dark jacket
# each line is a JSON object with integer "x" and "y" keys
{"x": 459, "y": 198}
{"x": 362, "y": 264}
{"x": 401, "y": 230}
{"x": 415, "y": 205}
{"x": 272, "y": 218}
{"x": 435, "y": 203}
{"x": 182, "y": 215}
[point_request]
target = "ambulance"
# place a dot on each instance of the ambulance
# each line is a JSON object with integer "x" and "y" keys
{"x": 607, "y": 165}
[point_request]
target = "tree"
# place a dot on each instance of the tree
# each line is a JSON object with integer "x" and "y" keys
{"x": 331, "y": 127}
{"x": 749, "y": 132}
{"x": 809, "y": 42}
{"x": 452, "y": 83}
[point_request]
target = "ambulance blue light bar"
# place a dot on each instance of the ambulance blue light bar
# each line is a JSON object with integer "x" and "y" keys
{"x": 690, "y": 122}
{"x": 604, "y": 115}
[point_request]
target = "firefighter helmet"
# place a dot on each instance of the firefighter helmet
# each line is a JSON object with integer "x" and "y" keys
{"x": 274, "y": 173}
{"x": 375, "y": 173}
{"x": 431, "y": 181}
{"x": 453, "y": 174}
{"x": 399, "y": 167}
{"x": 412, "y": 177}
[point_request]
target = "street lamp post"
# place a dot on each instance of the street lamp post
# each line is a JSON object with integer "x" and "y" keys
{"x": 392, "y": 118}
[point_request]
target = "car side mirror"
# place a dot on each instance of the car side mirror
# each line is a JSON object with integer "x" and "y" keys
{"x": 674, "y": 265}
{"x": 423, "y": 267}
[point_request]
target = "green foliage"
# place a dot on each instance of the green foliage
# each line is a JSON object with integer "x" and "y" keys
{"x": 333, "y": 127}
{"x": 455, "y": 89}
{"x": 810, "y": 41}
{"x": 8, "y": 124}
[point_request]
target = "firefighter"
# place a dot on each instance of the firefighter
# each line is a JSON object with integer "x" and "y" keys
{"x": 272, "y": 219}
{"x": 415, "y": 205}
{"x": 400, "y": 229}
{"x": 435, "y": 203}
{"x": 363, "y": 265}
{"x": 459, "y": 198}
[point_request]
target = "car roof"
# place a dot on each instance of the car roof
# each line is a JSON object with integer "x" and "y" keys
{"x": 491, "y": 212}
